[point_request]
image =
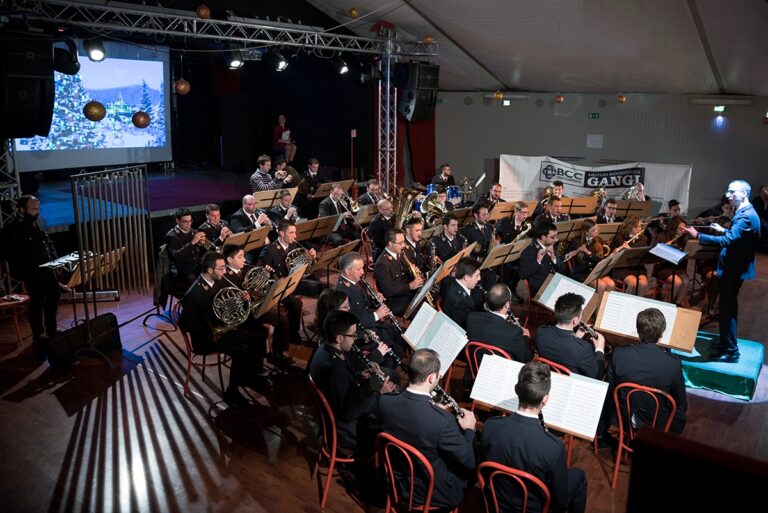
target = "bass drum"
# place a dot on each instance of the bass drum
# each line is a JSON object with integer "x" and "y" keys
{"x": 454, "y": 194}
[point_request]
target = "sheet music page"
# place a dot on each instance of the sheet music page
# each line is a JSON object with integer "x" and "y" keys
{"x": 286, "y": 136}
{"x": 561, "y": 285}
{"x": 446, "y": 338}
{"x": 419, "y": 325}
{"x": 495, "y": 382}
{"x": 621, "y": 313}
{"x": 668, "y": 253}
{"x": 422, "y": 293}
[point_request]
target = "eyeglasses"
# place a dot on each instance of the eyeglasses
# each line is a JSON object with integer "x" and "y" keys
{"x": 354, "y": 335}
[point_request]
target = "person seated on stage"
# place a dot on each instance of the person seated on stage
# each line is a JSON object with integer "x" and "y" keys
{"x": 215, "y": 228}
{"x": 393, "y": 280}
{"x": 328, "y": 301}
{"x": 493, "y": 197}
{"x": 185, "y": 247}
{"x": 261, "y": 180}
{"x": 558, "y": 191}
{"x": 609, "y": 213}
{"x": 446, "y": 440}
{"x": 462, "y": 295}
{"x": 372, "y": 312}
{"x": 372, "y": 194}
{"x": 510, "y": 229}
{"x": 492, "y": 326}
{"x": 482, "y": 233}
{"x": 284, "y": 209}
{"x": 444, "y": 177}
{"x": 442, "y": 198}
{"x": 413, "y": 251}
{"x": 538, "y": 260}
{"x": 285, "y": 147}
{"x": 197, "y": 319}
{"x": 282, "y": 165}
{"x": 724, "y": 208}
{"x": 380, "y": 224}
{"x": 553, "y": 212}
{"x": 444, "y": 246}
{"x": 585, "y": 253}
{"x": 674, "y": 276}
{"x": 659, "y": 224}
{"x": 336, "y": 204}
{"x": 275, "y": 256}
{"x": 648, "y": 364}
{"x": 630, "y": 235}
{"x": 248, "y": 217}
{"x": 352, "y": 393}
{"x": 520, "y": 441}
{"x": 562, "y": 345}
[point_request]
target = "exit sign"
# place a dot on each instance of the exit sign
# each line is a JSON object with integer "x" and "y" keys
{"x": 593, "y": 115}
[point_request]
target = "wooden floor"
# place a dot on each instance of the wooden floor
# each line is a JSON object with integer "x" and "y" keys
{"x": 94, "y": 438}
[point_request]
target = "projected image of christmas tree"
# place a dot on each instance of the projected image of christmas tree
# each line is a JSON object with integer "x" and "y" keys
{"x": 123, "y": 87}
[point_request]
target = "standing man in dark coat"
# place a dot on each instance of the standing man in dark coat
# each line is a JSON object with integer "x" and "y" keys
{"x": 735, "y": 263}
{"x": 379, "y": 226}
{"x": 481, "y": 232}
{"x": 310, "y": 181}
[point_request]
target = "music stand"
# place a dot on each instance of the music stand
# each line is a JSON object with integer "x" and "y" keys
{"x": 502, "y": 210}
{"x": 324, "y": 189}
{"x": 431, "y": 232}
{"x": 327, "y": 258}
{"x": 632, "y": 258}
{"x": 251, "y": 240}
{"x": 699, "y": 253}
{"x": 532, "y": 204}
{"x": 365, "y": 214}
{"x": 626, "y": 208}
{"x": 268, "y": 199}
{"x": 568, "y": 230}
{"x": 505, "y": 253}
{"x": 608, "y": 231}
{"x": 314, "y": 228}
{"x": 579, "y": 206}
{"x": 464, "y": 215}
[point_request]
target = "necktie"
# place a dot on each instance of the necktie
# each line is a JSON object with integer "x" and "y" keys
{"x": 253, "y": 218}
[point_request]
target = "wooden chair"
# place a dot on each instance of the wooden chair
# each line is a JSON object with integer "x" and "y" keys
{"x": 490, "y": 471}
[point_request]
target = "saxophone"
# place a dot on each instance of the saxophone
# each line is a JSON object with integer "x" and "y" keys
{"x": 416, "y": 273}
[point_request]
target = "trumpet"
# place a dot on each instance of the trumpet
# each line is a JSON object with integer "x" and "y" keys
{"x": 380, "y": 303}
{"x": 207, "y": 244}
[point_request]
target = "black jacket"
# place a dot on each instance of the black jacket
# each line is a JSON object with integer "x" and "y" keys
{"x": 563, "y": 347}
{"x": 445, "y": 248}
{"x": 490, "y": 328}
{"x": 240, "y": 222}
{"x": 457, "y": 304}
{"x": 185, "y": 257}
{"x": 26, "y": 245}
{"x": 536, "y": 273}
{"x": 392, "y": 281}
{"x": 197, "y": 316}
{"x": 439, "y": 180}
{"x": 482, "y": 236}
{"x": 377, "y": 230}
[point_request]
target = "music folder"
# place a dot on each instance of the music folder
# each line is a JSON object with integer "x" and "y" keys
{"x": 434, "y": 330}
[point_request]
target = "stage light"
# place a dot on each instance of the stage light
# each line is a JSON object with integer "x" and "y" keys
{"x": 276, "y": 59}
{"x": 719, "y": 121}
{"x": 340, "y": 64}
{"x": 235, "y": 61}
{"x": 94, "y": 48}
{"x": 719, "y": 108}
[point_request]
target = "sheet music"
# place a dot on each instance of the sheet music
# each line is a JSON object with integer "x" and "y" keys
{"x": 668, "y": 253}
{"x": 621, "y": 312}
{"x": 575, "y": 402}
{"x": 446, "y": 338}
{"x": 419, "y": 325}
{"x": 561, "y": 285}
{"x": 286, "y": 136}
{"x": 422, "y": 293}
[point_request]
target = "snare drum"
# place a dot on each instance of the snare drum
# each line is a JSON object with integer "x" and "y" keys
{"x": 454, "y": 194}
{"x": 431, "y": 188}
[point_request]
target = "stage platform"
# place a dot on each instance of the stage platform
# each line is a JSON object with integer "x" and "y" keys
{"x": 737, "y": 380}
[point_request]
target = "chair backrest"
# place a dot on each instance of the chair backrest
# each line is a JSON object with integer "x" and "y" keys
{"x": 556, "y": 367}
{"x": 489, "y": 471}
{"x": 176, "y": 318}
{"x": 328, "y": 441}
{"x": 475, "y": 351}
{"x": 395, "y": 455}
{"x": 654, "y": 395}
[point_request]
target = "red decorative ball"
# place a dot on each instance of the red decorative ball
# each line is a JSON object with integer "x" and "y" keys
{"x": 94, "y": 111}
{"x": 428, "y": 39}
{"x": 182, "y": 87}
{"x": 559, "y": 98}
{"x": 140, "y": 119}
{"x": 203, "y": 12}
{"x": 353, "y": 12}
{"x": 621, "y": 98}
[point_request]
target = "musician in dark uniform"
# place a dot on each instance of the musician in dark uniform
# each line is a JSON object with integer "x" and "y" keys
{"x": 366, "y": 308}
{"x": 380, "y": 224}
{"x": 445, "y": 440}
{"x": 646, "y": 363}
{"x": 553, "y": 212}
{"x": 585, "y": 253}
{"x": 414, "y": 249}
{"x": 510, "y": 229}
{"x": 444, "y": 178}
{"x": 215, "y": 228}
{"x": 449, "y": 242}
{"x": 521, "y": 442}
{"x": 735, "y": 263}
{"x": 562, "y": 345}
{"x": 442, "y": 198}
{"x": 372, "y": 194}
{"x": 659, "y": 224}
{"x": 493, "y": 197}
{"x": 310, "y": 181}
{"x": 492, "y": 326}
{"x": 609, "y": 213}
{"x": 284, "y": 209}
{"x": 197, "y": 319}
{"x": 26, "y": 246}
{"x": 248, "y": 217}
{"x": 462, "y": 295}
{"x": 353, "y": 397}
{"x": 558, "y": 191}
{"x": 538, "y": 260}
{"x": 393, "y": 280}
{"x": 184, "y": 247}
{"x": 481, "y": 232}
{"x": 335, "y": 204}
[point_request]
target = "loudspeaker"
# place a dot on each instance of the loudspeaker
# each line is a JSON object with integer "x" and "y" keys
{"x": 26, "y": 87}
{"x": 418, "y": 104}
{"x": 416, "y": 75}
{"x": 61, "y": 351}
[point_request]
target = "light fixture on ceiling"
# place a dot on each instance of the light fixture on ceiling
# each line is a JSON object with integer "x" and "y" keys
{"x": 94, "y": 48}
{"x": 621, "y": 98}
{"x": 499, "y": 95}
{"x": 702, "y": 99}
{"x": 340, "y": 64}
{"x": 559, "y": 98}
{"x": 276, "y": 59}
{"x": 719, "y": 108}
{"x": 235, "y": 60}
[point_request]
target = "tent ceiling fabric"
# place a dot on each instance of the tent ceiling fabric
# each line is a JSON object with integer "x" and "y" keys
{"x": 593, "y": 46}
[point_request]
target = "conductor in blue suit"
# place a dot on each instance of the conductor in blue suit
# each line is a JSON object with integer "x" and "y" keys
{"x": 736, "y": 262}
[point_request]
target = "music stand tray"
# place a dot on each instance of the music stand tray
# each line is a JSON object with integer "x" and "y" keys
{"x": 313, "y": 228}
{"x": 268, "y": 199}
{"x": 251, "y": 240}
{"x": 626, "y": 208}
{"x": 366, "y": 213}
{"x": 327, "y": 258}
{"x": 324, "y": 189}
{"x": 502, "y": 210}
{"x": 505, "y": 253}
{"x": 579, "y": 206}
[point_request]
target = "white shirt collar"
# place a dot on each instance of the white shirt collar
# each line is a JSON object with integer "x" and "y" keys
{"x": 210, "y": 283}
{"x": 410, "y": 242}
{"x": 418, "y": 392}
{"x": 282, "y": 245}
{"x": 529, "y": 415}
{"x": 469, "y": 292}
{"x": 236, "y": 271}
{"x": 394, "y": 255}
{"x": 500, "y": 315}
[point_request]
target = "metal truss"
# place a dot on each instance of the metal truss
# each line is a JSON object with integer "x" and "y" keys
{"x": 184, "y": 24}
{"x": 10, "y": 187}
{"x": 387, "y": 128}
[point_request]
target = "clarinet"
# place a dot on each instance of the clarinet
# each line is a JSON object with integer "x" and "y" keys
{"x": 375, "y": 370}
{"x": 380, "y": 303}
{"x": 589, "y": 331}
{"x": 541, "y": 421}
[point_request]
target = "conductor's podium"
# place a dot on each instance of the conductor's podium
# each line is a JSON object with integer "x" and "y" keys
{"x": 737, "y": 380}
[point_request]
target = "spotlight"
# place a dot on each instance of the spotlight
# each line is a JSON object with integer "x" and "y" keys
{"x": 235, "y": 60}
{"x": 340, "y": 64}
{"x": 719, "y": 121}
{"x": 719, "y": 108}
{"x": 276, "y": 59}
{"x": 94, "y": 48}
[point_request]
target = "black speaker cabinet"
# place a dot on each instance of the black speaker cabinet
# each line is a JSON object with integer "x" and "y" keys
{"x": 416, "y": 75}
{"x": 26, "y": 87}
{"x": 418, "y": 104}
{"x": 61, "y": 351}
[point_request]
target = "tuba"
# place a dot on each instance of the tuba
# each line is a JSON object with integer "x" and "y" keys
{"x": 406, "y": 198}
{"x": 601, "y": 195}
{"x": 432, "y": 210}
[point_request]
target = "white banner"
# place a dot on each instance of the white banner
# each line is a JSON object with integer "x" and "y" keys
{"x": 524, "y": 178}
